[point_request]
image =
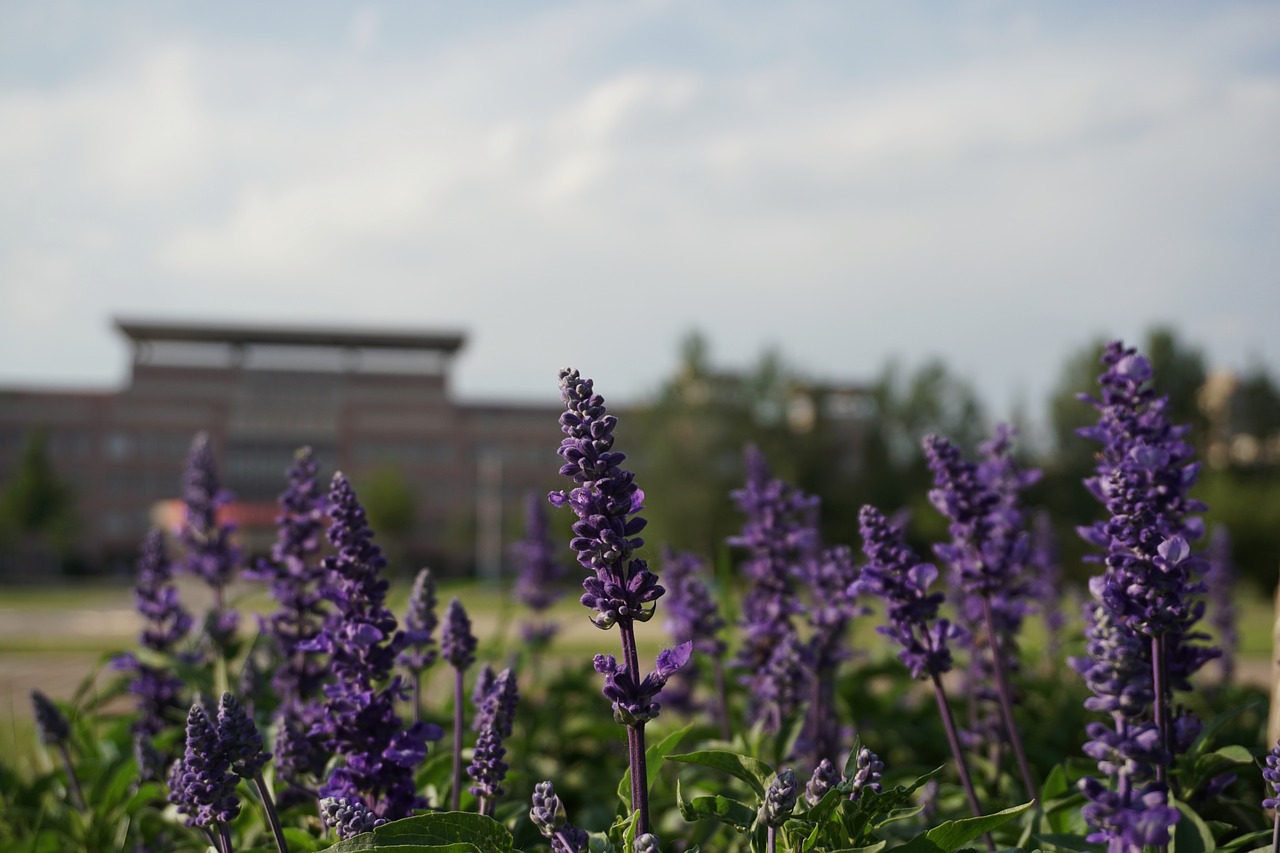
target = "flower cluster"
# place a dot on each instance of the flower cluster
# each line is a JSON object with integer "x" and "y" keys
{"x": 866, "y": 776}
{"x": 360, "y": 723}
{"x": 348, "y": 818}
{"x": 294, "y": 574}
{"x": 548, "y": 816}
{"x": 895, "y": 574}
{"x": 540, "y": 571}
{"x": 779, "y": 798}
{"x": 636, "y": 703}
{"x": 166, "y": 624}
{"x": 420, "y": 623}
{"x": 1220, "y": 579}
{"x": 495, "y": 716}
{"x": 606, "y": 501}
{"x": 201, "y": 783}
{"x": 210, "y": 555}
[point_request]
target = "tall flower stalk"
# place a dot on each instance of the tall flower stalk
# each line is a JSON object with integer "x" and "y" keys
{"x": 495, "y": 718}
{"x": 779, "y": 534}
{"x": 987, "y": 550}
{"x": 55, "y": 731}
{"x": 620, "y": 589}
{"x": 1149, "y": 589}
{"x": 378, "y": 754}
{"x": 902, "y": 580}
{"x": 458, "y": 645}
{"x": 210, "y": 554}
{"x": 539, "y": 575}
{"x": 420, "y": 624}
{"x": 1221, "y": 581}
{"x": 166, "y": 624}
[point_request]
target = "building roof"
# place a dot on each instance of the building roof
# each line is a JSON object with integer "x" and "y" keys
{"x": 228, "y": 333}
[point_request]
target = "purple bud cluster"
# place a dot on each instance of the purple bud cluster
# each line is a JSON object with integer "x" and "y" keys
{"x": 210, "y": 555}
{"x": 359, "y": 722}
{"x": 866, "y": 776}
{"x": 1046, "y": 579}
{"x": 779, "y": 798}
{"x": 606, "y": 501}
{"x": 166, "y": 624}
{"x": 201, "y": 783}
{"x": 457, "y": 643}
{"x": 50, "y": 722}
{"x": 636, "y": 703}
{"x": 548, "y": 816}
{"x": 495, "y": 717}
{"x": 348, "y": 818}
{"x": 895, "y": 574}
{"x": 420, "y": 623}
{"x": 1271, "y": 775}
{"x": 824, "y": 778}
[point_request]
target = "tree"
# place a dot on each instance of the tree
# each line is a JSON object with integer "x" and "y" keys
{"x": 37, "y": 509}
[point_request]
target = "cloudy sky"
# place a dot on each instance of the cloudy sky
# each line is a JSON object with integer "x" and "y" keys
{"x": 583, "y": 183}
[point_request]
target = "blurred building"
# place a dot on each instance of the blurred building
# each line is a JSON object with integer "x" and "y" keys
{"x": 373, "y": 404}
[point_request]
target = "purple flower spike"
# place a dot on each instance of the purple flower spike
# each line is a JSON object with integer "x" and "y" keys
{"x": 359, "y": 722}
{"x": 1220, "y": 579}
{"x": 294, "y": 573}
{"x": 897, "y": 575}
{"x": 867, "y": 776}
{"x": 240, "y": 739}
{"x": 779, "y": 799}
{"x": 495, "y": 719}
{"x": 52, "y": 725}
{"x": 420, "y": 624}
{"x": 606, "y": 501}
{"x": 825, "y": 777}
{"x": 457, "y": 643}
{"x": 200, "y": 783}
{"x": 209, "y": 552}
{"x": 348, "y": 817}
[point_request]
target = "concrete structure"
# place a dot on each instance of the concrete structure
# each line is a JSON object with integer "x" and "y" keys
{"x": 374, "y": 404}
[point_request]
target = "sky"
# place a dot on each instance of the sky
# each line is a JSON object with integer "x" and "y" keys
{"x": 580, "y": 183}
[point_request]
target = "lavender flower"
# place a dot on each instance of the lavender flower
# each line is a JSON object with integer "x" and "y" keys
{"x": 783, "y": 684}
{"x": 606, "y": 500}
{"x": 458, "y": 645}
{"x": 347, "y": 817}
{"x": 987, "y": 551}
{"x": 210, "y": 555}
{"x": 420, "y": 624}
{"x": 825, "y": 777}
{"x": 896, "y": 574}
{"x": 294, "y": 573}
{"x": 1046, "y": 580}
{"x": 1221, "y": 580}
{"x": 200, "y": 783}
{"x": 902, "y": 580}
{"x": 1149, "y": 589}
{"x": 692, "y": 616}
{"x": 779, "y": 803}
{"x": 620, "y": 590}
{"x": 52, "y": 725}
{"x": 55, "y": 731}
{"x": 636, "y": 703}
{"x": 240, "y": 739}
{"x": 1271, "y": 776}
{"x": 647, "y": 843}
{"x": 496, "y": 714}
{"x": 360, "y": 723}
{"x": 780, "y": 533}
{"x": 540, "y": 572}
{"x": 867, "y": 775}
{"x": 830, "y": 609}
{"x": 166, "y": 623}
{"x": 548, "y": 816}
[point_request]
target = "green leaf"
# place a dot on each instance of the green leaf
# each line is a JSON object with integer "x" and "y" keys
{"x": 754, "y": 772}
{"x": 1056, "y": 784}
{"x": 1234, "y": 754}
{"x": 1191, "y": 834}
{"x": 1247, "y": 842}
{"x": 442, "y": 832}
{"x": 1211, "y": 727}
{"x": 653, "y": 757}
{"x": 717, "y": 808}
{"x": 954, "y": 834}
